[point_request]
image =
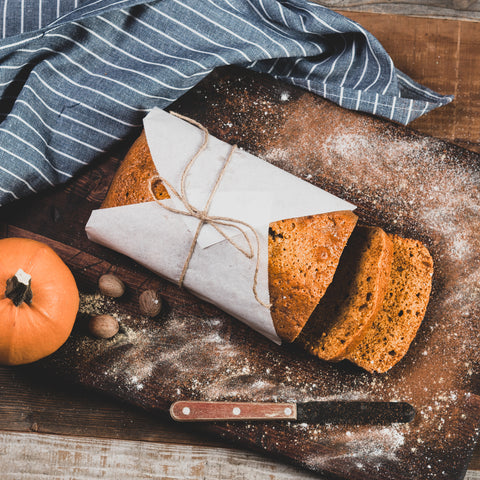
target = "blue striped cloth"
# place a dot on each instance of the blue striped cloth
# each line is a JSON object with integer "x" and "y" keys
{"x": 77, "y": 76}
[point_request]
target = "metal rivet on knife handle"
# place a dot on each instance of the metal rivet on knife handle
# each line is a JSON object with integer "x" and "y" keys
{"x": 195, "y": 411}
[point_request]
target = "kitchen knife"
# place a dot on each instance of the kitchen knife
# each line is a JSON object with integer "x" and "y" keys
{"x": 320, "y": 412}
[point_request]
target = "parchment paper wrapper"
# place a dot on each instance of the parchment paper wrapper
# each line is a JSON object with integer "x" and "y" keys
{"x": 251, "y": 190}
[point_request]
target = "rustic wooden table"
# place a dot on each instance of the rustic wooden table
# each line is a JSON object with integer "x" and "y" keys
{"x": 52, "y": 430}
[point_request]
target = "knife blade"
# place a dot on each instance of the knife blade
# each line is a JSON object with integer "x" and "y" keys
{"x": 319, "y": 412}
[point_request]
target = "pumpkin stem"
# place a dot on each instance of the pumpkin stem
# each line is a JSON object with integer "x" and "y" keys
{"x": 19, "y": 288}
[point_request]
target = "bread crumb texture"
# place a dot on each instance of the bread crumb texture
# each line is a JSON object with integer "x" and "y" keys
{"x": 403, "y": 309}
{"x": 354, "y": 297}
{"x": 303, "y": 256}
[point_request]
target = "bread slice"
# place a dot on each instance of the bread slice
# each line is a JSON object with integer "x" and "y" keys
{"x": 404, "y": 307}
{"x": 303, "y": 252}
{"x": 303, "y": 256}
{"x": 354, "y": 297}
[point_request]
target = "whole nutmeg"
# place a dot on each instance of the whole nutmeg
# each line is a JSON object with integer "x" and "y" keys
{"x": 150, "y": 303}
{"x": 103, "y": 326}
{"x": 111, "y": 286}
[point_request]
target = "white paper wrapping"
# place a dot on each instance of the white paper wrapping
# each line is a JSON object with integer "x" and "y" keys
{"x": 251, "y": 190}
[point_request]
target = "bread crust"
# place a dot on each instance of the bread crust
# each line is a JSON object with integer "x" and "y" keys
{"x": 130, "y": 182}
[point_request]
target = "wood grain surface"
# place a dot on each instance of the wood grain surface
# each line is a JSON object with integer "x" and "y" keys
{"x": 446, "y": 9}
{"x": 443, "y": 55}
{"x": 88, "y": 458}
{"x": 197, "y": 352}
{"x": 50, "y": 404}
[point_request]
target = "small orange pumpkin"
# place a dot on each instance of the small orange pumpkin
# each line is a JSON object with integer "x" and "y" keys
{"x": 40, "y": 302}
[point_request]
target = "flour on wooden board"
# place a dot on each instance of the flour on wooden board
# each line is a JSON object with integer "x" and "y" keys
{"x": 386, "y": 172}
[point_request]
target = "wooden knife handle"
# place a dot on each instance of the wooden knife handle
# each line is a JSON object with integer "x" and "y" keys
{"x": 197, "y": 411}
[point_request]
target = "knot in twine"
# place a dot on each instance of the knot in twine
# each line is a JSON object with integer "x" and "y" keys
{"x": 217, "y": 222}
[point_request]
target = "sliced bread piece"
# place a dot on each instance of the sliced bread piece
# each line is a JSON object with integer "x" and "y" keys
{"x": 354, "y": 297}
{"x": 303, "y": 256}
{"x": 303, "y": 252}
{"x": 404, "y": 307}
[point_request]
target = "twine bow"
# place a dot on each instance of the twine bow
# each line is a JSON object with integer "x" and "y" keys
{"x": 217, "y": 222}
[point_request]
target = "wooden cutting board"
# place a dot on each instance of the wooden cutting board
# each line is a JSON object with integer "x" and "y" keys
{"x": 406, "y": 183}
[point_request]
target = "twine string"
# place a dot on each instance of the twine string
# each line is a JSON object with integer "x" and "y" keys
{"x": 217, "y": 222}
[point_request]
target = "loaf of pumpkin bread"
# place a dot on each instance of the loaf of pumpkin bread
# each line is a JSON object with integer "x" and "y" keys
{"x": 303, "y": 252}
{"x": 362, "y": 300}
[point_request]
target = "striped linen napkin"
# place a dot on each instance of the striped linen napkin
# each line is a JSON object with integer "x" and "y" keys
{"x": 77, "y": 76}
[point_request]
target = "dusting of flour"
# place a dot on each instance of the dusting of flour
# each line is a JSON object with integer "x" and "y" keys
{"x": 420, "y": 187}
